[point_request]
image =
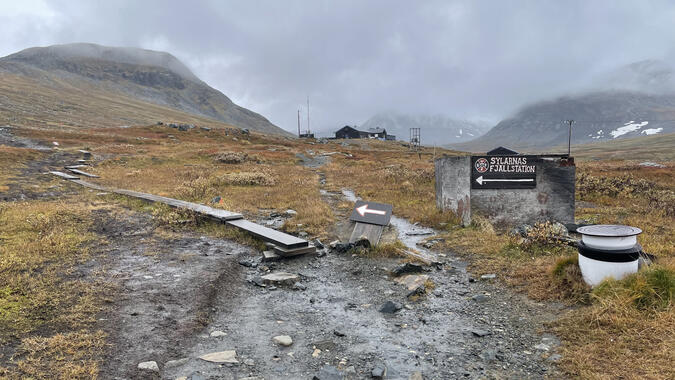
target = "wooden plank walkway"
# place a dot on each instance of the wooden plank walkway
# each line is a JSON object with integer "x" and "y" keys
{"x": 267, "y": 234}
{"x": 80, "y": 172}
{"x": 63, "y": 175}
{"x": 285, "y": 244}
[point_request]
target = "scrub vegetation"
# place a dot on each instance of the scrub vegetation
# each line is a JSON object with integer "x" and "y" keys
{"x": 619, "y": 329}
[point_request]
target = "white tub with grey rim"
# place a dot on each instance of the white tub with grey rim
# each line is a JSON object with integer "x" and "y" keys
{"x": 608, "y": 251}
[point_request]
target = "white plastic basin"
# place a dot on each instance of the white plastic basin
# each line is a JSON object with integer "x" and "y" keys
{"x": 594, "y": 271}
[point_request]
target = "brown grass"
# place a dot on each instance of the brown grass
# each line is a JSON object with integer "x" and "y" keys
{"x": 42, "y": 244}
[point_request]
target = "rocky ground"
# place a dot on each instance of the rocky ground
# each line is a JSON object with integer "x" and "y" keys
{"x": 196, "y": 307}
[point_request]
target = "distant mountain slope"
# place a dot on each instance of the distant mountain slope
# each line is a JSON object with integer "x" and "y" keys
{"x": 655, "y": 148}
{"x": 145, "y": 75}
{"x": 434, "y": 128}
{"x": 630, "y": 101}
{"x": 598, "y": 116}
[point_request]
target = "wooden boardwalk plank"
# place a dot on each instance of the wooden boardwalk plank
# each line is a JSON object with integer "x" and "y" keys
{"x": 285, "y": 243}
{"x": 267, "y": 234}
{"x": 80, "y": 172}
{"x": 63, "y": 175}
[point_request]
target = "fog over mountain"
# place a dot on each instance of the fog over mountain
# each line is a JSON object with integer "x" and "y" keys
{"x": 466, "y": 60}
{"x": 434, "y": 129}
{"x": 631, "y": 101}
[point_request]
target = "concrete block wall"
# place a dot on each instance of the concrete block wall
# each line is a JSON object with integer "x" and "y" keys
{"x": 453, "y": 186}
{"x": 552, "y": 199}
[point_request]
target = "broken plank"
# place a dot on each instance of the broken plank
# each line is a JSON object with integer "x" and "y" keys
{"x": 63, "y": 175}
{"x": 267, "y": 234}
{"x": 80, "y": 172}
{"x": 372, "y": 232}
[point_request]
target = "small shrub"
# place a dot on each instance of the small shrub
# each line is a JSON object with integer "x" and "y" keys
{"x": 258, "y": 178}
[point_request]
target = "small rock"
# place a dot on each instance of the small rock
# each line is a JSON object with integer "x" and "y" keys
{"x": 318, "y": 244}
{"x": 480, "y": 298}
{"x": 407, "y": 268}
{"x": 217, "y": 334}
{"x": 150, "y": 366}
{"x": 302, "y": 234}
{"x": 316, "y": 353}
{"x": 542, "y": 347}
{"x": 488, "y": 276}
{"x": 334, "y": 244}
{"x": 176, "y": 363}
{"x": 229, "y": 356}
{"x": 379, "y": 372}
{"x": 257, "y": 281}
{"x": 280, "y": 278}
{"x": 362, "y": 242}
{"x": 249, "y": 362}
{"x": 283, "y": 340}
{"x": 340, "y": 333}
{"x": 554, "y": 358}
{"x": 290, "y": 212}
{"x": 248, "y": 263}
{"x": 299, "y": 286}
{"x": 328, "y": 372}
{"x": 390, "y": 307}
{"x": 480, "y": 333}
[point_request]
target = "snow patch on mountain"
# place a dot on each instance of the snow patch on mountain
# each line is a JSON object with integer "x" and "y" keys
{"x": 631, "y": 126}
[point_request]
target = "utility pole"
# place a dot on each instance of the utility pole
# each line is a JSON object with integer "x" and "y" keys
{"x": 569, "y": 137}
{"x": 298, "y": 123}
{"x": 308, "y": 114}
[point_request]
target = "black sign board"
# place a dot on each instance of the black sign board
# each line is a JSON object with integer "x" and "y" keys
{"x": 504, "y": 172}
{"x": 372, "y": 213}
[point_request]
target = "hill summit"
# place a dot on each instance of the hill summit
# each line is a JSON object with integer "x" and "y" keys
{"x": 145, "y": 75}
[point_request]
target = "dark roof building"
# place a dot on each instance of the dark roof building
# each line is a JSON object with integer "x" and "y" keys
{"x": 501, "y": 151}
{"x": 348, "y": 132}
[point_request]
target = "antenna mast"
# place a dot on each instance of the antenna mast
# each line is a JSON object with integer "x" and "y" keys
{"x": 308, "y": 114}
{"x": 298, "y": 123}
{"x": 569, "y": 136}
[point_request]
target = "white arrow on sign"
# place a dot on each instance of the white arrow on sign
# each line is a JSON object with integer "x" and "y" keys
{"x": 363, "y": 210}
{"x": 480, "y": 180}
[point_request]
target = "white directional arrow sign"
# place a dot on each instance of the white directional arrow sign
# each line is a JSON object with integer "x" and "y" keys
{"x": 363, "y": 210}
{"x": 480, "y": 180}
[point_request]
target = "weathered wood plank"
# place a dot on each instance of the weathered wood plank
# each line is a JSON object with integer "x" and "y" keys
{"x": 285, "y": 244}
{"x": 371, "y": 231}
{"x": 267, "y": 234}
{"x": 76, "y": 166}
{"x": 63, "y": 175}
{"x": 80, "y": 172}
{"x": 293, "y": 251}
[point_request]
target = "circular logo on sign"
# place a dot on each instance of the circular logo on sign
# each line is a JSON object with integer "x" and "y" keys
{"x": 481, "y": 165}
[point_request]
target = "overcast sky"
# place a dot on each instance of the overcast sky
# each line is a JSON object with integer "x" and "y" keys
{"x": 463, "y": 59}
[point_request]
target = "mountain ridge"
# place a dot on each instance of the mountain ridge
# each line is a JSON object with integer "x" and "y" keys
{"x": 146, "y": 75}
